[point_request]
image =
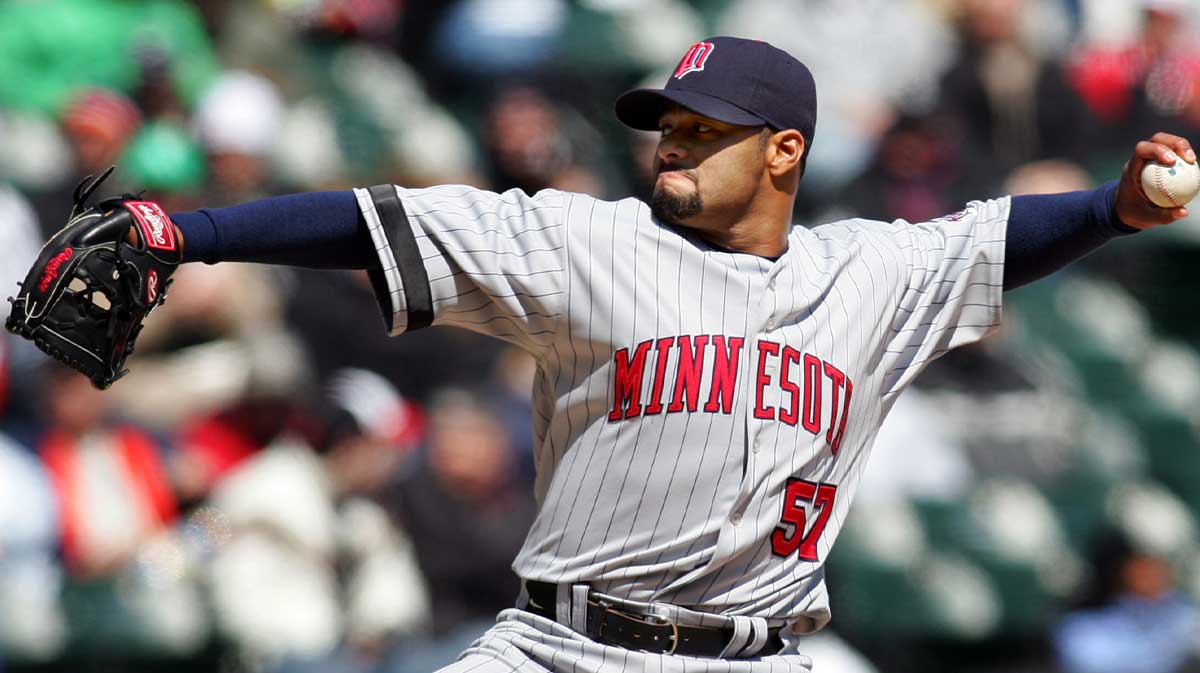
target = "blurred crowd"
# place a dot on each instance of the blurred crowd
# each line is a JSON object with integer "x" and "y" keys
{"x": 278, "y": 486}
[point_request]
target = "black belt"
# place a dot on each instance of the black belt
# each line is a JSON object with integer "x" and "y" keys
{"x": 646, "y": 632}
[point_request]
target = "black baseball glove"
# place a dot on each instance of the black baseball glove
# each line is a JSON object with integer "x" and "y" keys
{"x": 85, "y": 298}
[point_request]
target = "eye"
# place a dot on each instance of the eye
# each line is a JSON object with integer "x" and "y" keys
{"x": 665, "y": 130}
{"x": 704, "y": 128}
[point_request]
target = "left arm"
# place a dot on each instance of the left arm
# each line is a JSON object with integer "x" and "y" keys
{"x": 1047, "y": 232}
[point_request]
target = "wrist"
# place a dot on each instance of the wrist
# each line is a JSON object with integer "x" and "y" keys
{"x": 1106, "y": 212}
{"x": 197, "y": 230}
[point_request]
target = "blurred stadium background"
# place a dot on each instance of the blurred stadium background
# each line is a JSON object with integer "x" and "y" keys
{"x": 280, "y": 488}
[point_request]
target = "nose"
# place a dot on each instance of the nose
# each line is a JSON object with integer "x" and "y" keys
{"x": 670, "y": 151}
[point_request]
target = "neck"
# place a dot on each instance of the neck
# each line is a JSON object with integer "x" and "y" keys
{"x": 763, "y": 234}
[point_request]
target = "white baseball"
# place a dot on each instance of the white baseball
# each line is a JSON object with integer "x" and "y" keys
{"x": 1171, "y": 186}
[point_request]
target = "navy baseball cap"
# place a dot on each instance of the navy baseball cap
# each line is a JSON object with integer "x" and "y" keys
{"x": 733, "y": 80}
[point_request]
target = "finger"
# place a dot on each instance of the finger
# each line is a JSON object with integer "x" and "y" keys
{"x": 1179, "y": 144}
{"x": 1166, "y": 138}
{"x": 1179, "y": 213}
{"x": 1184, "y": 149}
{"x": 1154, "y": 151}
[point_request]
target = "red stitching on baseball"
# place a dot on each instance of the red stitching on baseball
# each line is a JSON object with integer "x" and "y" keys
{"x": 1162, "y": 186}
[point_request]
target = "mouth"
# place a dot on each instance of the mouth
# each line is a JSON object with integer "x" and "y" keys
{"x": 678, "y": 174}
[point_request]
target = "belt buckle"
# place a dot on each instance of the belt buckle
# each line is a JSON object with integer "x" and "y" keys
{"x": 652, "y": 618}
{"x": 648, "y": 618}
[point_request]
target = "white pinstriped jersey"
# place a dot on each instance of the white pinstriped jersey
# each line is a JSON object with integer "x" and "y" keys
{"x": 702, "y": 416}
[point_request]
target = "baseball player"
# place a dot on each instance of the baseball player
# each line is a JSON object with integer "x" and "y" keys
{"x": 710, "y": 378}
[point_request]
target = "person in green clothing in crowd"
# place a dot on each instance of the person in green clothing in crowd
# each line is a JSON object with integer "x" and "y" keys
{"x": 50, "y": 49}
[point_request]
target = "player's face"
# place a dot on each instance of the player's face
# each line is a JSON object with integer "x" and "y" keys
{"x": 707, "y": 170}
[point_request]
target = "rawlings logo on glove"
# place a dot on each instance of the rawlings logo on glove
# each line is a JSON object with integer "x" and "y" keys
{"x": 154, "y": 224}
{"x": 52, "y": 268}
{"x": 85, "y": 298}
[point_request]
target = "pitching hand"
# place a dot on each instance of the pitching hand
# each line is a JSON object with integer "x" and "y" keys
{"x": 1133, "y": 207}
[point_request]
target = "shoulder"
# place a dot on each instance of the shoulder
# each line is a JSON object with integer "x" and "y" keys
{"x": 852, "y": 234}
{"x": 627, "y": 205}
{"x": 584, "y": 211}
{"x": 976, "y": 216}
{"x": 855, "y": 228}
{"x": 469, "y": 196}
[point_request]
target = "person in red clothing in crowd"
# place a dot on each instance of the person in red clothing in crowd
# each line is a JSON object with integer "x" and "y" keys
{"x": 1152, "y": 81}
{"x": 109, "y": 478}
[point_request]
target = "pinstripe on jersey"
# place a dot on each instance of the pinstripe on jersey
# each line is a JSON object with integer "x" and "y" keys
{"x": 702, "y": 416}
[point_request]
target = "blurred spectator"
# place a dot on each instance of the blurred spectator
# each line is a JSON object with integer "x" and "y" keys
{"x": 128, "y": 585}
{"x": 274, "y": 586}
{"x": 97, "y": 43}
{"x": 99, "y": 123}
{"x": 336, "y": 317}
{"x": 534, "y": 144}
{"x": 1049, "y": 176}
{"x": 946, "y": 473}
{"x": 156, "y": 93}
{"x": 35, "y": 155}
{"x": 238, "y": 122}
{"x": 1135, "y": 621}
{"x": 311, "y": 565}
{"x": 871, "y": 59}
{"x": 384, "y": 119}
{"x": 1148, "y": 83}
{"x": 467, "y": 511}
{"x": 366, "y": 18}
{"x": 916, "y": 175}
{"x": 216, "y": 341}
{"x": 109, "y": 479}
{"x": 154, "y": 51}
{"x": 492, "y": 38}
{"x": 214, "y": 445}
{"x": 31, "y": 622}
{"x": 650, "y": 33}
{"x": 385, "y": 598}
{"x": 20, "y": 239}
{"x": 1012, "y": 101}
{"x": 514, "y": 375}
{"x": 308, "y": 155}
{"x": 164, "y": 160}
{"x": 371, "y": 433}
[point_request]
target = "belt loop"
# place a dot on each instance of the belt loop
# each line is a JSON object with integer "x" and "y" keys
{"x": 742, "y": 629}
{"x": 579, "y": 607}
{"x": 523, "y": 598}
{"x": 759, "y": 626}
{"x": 562, "y": 604}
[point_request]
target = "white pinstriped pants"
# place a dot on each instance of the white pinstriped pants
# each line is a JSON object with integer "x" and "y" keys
{"x": 522, "y": 642}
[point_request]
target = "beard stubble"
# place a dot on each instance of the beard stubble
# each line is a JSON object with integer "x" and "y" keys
{"x": 675, "y": 209}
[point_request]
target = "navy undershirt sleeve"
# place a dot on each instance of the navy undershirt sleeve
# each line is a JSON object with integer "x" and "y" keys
{"x": 1048, "y": 231}
{"x": 318, "y": 230}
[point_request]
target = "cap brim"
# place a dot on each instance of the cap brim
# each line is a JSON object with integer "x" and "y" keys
{"x": 642, "y": 108}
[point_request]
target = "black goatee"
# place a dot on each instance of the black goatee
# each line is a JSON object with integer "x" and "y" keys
{"x": 675, "y": 209}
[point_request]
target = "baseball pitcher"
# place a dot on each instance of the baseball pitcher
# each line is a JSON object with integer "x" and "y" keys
{"x": 710, "y": 378}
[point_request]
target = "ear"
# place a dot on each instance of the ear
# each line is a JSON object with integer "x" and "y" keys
{"x": 785, "y": 150}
